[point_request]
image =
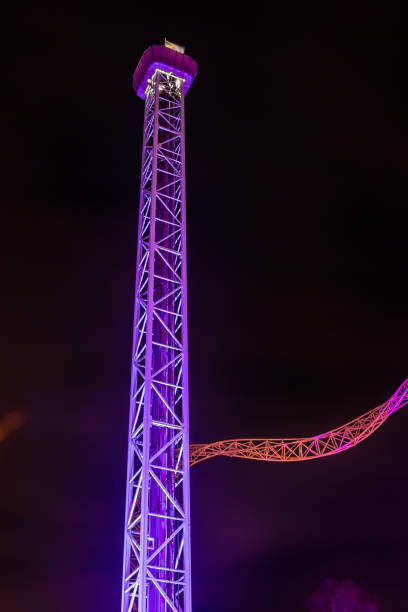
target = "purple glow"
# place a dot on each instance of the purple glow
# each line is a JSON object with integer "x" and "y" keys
{"x": 156, "y": 561}
{"x": 167, "y": 60}
{"x": 344, "y": 596}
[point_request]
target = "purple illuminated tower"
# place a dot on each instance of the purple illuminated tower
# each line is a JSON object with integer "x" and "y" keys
{"x": 156, "y": 561}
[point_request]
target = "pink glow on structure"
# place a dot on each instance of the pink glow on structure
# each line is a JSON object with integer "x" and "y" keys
{"x": 302, "y": 449}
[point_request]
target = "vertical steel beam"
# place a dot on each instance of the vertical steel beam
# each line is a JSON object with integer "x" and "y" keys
{"x": 157, "y": 564}
{"x": 186, "y": 447}
{"x": 147, "y": 418}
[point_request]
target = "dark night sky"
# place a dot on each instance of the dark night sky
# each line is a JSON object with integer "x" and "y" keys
{"x": 297, "y": 163}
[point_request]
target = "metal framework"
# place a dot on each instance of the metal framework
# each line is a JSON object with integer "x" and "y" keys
{"x": 156, "y": 561}
{"x": 156, "y": 564}
{"x": 302, "y": 449}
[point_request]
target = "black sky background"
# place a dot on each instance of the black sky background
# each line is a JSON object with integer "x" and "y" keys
{"x": 298, "y": 305}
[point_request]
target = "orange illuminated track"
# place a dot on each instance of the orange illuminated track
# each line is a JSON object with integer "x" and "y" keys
{"x": 300, "y": 449}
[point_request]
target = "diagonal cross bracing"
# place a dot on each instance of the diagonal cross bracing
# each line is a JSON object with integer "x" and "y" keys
{"x": 156, "y": 566}
{"x": 300, "y": 449}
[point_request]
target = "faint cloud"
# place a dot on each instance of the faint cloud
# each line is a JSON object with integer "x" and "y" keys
{"x": 342, "y": 596}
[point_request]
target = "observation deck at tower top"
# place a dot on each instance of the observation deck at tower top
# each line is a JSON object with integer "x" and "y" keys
{"x": 163, "y": 58}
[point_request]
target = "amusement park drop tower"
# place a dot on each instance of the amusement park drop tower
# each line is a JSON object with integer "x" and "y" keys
{"x": 157, "y": 551}
{"x": 157, "y": 565}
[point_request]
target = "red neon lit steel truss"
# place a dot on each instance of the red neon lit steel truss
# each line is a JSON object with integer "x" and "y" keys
{"x": 302, "y": 449}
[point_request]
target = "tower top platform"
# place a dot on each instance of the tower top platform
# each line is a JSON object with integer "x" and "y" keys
{"x": 163, "y": 58}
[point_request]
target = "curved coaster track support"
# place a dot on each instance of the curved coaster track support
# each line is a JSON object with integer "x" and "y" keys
{"x": 301, "y": 449}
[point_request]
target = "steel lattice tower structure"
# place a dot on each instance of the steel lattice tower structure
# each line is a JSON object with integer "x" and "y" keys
{"x": 156, "y": 563}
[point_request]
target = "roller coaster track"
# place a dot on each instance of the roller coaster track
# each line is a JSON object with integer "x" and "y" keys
{"x": 301, "y": 449}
